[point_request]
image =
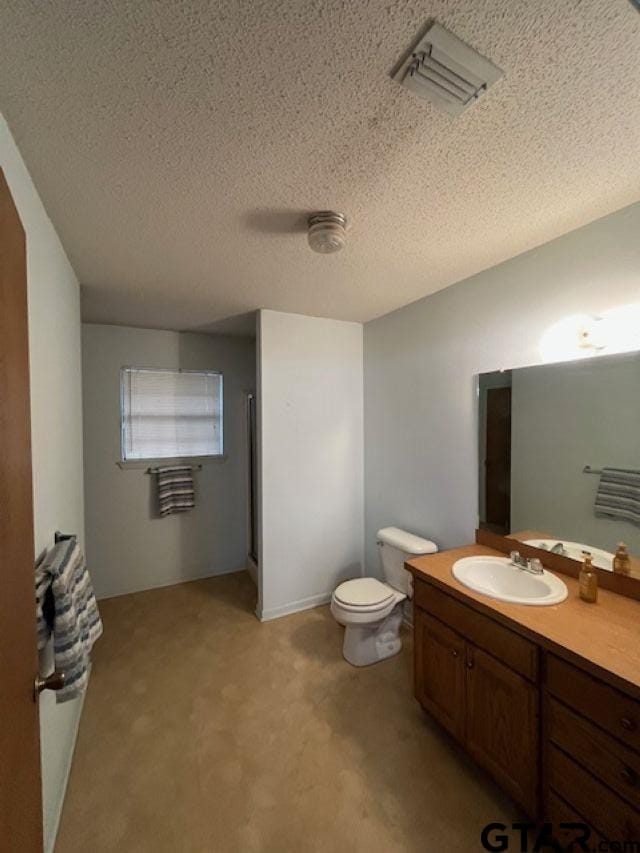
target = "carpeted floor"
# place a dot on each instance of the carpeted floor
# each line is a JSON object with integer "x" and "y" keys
{"x": 205, "y": 731}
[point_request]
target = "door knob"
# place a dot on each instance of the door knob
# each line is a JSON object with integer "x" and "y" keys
{"x": 55, "y": 681}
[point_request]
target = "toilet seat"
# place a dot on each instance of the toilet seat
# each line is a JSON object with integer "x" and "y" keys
{"x": 364, "y": 595}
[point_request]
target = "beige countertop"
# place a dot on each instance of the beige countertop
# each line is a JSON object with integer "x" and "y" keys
{"x": 603, "y": 637}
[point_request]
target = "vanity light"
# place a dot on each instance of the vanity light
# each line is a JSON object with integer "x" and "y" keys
{"x": 585, "y": 335}
{"x": 620, "y": 328}
{"x": 565, "y": 340}
{"x": 591, "y": 335}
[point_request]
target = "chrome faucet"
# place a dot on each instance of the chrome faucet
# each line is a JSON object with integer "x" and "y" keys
{"x": 533, "y": 565}
{"x": 558, "y": 548}
{"x": 517, "y": 560}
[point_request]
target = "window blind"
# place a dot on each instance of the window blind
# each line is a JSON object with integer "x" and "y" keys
{"x": 170, "y": 414}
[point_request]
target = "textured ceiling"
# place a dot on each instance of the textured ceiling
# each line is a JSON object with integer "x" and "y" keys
{"x": 178, "y": 145}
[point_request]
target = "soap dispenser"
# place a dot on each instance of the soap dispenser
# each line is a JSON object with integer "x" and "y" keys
{"x": 622, "y": 561}
{"x": 588, "y": 581}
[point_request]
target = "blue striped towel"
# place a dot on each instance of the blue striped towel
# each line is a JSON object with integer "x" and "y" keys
{"x": 76, "y": 620}
{"x": 618, "y": 494}
{"x": 175, "y": 489}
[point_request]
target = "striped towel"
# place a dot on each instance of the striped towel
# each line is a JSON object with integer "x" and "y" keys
{"x": 76, "y": 621}
{"x": 619, "y": 494}
{"x": 175, "y": 489}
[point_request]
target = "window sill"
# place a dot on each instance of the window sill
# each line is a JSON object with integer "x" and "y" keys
{"x": 143, "y": 464}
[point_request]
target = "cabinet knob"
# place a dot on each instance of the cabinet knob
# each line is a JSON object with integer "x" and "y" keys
{"x": 627, "y": 724}
{"x": 455, "y": 653}
{"x": 628, "y": 775}
{"x": 469, "y": 664}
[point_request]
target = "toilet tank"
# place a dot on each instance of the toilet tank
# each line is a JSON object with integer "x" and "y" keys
{"x": 395, "y": 547}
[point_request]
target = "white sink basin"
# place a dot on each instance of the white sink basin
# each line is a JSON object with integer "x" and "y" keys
{"x": 576, "y": 551}
{"x": 498, "y": 578}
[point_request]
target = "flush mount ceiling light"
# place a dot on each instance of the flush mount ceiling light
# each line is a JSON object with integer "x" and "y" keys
{"x": 442, "y": 69}
{"x": 327, "y": 231}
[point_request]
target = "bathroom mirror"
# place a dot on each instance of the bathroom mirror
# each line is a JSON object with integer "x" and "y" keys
{"x": 547, "y": 434}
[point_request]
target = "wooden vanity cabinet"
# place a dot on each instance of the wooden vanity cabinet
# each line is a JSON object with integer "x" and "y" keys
{"x": 490, "y": 707}
{"x": 561, "y": 741}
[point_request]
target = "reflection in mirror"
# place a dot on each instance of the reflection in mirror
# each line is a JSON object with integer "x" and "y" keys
{"x": 560, "y": 457}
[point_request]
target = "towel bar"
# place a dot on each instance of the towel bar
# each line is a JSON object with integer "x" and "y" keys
{"x": 589, "y": 470}
{"x": 193, "y": 468}
{"x": 60, "y": 537}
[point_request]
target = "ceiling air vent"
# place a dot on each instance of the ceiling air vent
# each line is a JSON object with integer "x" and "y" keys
{"x": 444, "y": 70}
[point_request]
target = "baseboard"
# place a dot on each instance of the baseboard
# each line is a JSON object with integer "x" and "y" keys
{"x": 169, "y": 582}
{"x": 50, "y": 843}
{"x": 294, "y": 607}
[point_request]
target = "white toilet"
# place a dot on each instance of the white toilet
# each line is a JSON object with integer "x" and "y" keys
{"x": 370, "y": 610}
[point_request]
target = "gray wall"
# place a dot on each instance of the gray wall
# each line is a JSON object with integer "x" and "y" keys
{"x": 422, "y": 361}
{"x": 56, "y": 437}
{"x": 128, "y": 547}
{"x": 563, "y": 418}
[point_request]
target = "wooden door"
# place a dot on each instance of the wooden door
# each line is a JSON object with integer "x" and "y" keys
{"x": 503, "y": 726}
{"x": 440, "y": 672}
{"x": 253, "y": 477}
{"x": 20, "y": 782}
{"x": 498, "y": 460}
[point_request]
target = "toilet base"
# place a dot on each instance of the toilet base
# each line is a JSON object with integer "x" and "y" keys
{"x": 367, "y": 644}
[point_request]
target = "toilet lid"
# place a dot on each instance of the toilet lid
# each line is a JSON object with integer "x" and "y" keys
{"x": 363, "y": 592}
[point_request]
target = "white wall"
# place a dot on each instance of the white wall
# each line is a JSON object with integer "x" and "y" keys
{"x": 422, "y": 361}
{"x": 56, "y": 427}
{"x": 129, "y": 548}
{"x": 311, "y": 466}
{"x": 592, "y": 417}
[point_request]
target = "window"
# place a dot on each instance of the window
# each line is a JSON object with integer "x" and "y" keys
{"x": 168, "y": 414}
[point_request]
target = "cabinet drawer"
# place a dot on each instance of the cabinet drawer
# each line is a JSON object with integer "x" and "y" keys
{"x": 608, "y": 814}
{"x": 506, "y": 645}
{"x": 602, "y": 704}
{"x": 613, "y": 763}
{"x": 558, "y": 813}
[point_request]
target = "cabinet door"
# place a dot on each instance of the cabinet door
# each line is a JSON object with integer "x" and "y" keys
{"x": 503, "y": 726}
{"x": 440, "y": 672}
